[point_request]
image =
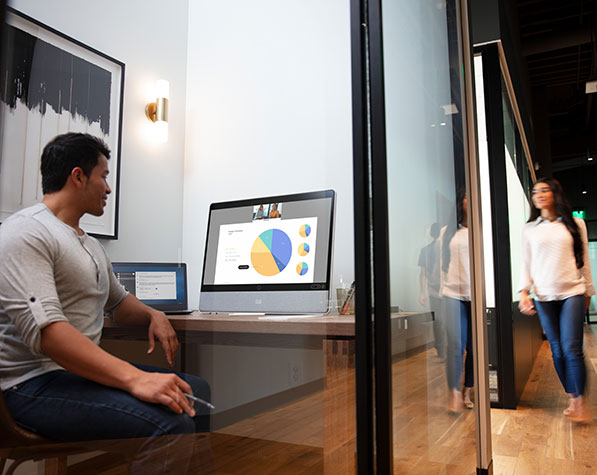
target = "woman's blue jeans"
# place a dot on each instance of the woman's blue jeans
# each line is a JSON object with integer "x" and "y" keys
{"x": 562, "y": 321}
{"x": 457, "y": 314}
{"x": 63, "y": 406}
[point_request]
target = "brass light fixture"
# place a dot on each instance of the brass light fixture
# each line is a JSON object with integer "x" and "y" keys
{"x": 157, "y": 111}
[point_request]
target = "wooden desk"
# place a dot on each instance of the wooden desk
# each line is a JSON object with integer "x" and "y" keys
{"x": 333, "y": 334}
{"x": 226, "y": 326}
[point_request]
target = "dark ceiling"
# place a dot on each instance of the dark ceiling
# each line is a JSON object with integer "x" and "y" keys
{"x": 559, "y": 43}
{"x": 558, "y": 40}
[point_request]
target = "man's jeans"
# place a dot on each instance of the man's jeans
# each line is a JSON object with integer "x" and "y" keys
{"x": 63, "y": 406}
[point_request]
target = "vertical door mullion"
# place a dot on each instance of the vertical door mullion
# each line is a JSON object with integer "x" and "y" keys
{"x": 381, "y": 255}
{"x": 362, "y": 225}
{"x": 481, "y": 359}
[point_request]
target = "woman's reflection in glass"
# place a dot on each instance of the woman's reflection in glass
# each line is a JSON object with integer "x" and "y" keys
{"x": 457, "y": 306}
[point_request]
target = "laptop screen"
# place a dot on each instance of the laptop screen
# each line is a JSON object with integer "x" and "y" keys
{"x": 162, "y": 286}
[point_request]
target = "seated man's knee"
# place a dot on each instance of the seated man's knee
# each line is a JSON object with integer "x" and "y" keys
{"x": 200, "y": 387}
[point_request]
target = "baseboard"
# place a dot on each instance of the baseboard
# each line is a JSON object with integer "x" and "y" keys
{"x": 250, "y": 409}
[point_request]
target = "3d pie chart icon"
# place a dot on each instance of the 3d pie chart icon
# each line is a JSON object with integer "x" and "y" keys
{"x": 271, "y": 252}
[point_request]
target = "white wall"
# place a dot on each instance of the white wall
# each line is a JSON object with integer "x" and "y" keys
{"x": 483, "y": 151}
{"x": 150, "y": 37}
{"x": 519, "y": 211}
{"x": 268, "y": 112}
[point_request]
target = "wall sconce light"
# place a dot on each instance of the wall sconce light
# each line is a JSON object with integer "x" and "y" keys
{"x": 157, "y": 111}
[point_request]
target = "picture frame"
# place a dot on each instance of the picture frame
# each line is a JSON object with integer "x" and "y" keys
{"x": 51, "y": 84}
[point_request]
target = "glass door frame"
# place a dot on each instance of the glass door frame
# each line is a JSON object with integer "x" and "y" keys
{"x": 372, "y": 323}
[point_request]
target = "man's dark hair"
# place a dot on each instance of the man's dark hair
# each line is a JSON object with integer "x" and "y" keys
{"x": 65, "y": 152}
{"x": 435, "y": 230}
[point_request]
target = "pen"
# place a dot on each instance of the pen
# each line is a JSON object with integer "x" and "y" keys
{"x": 346, "y": 303}
{"x": 198, "y": 399}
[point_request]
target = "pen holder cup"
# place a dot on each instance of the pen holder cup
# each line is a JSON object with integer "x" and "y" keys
{"x": 344, "y": 307}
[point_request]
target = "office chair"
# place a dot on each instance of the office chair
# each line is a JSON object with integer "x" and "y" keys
{"x": 20, "y": 445}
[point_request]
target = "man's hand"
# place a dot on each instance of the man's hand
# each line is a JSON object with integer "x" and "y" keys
{"x": 160, "y": 328}
{"x": 163, "y": 388}
{"x": 132, "y": 311}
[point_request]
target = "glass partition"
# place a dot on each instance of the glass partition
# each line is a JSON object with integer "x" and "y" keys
{"x": 282, "y": 382}
{"x": 431, "y": 329}
{"x": 259, "y": 110}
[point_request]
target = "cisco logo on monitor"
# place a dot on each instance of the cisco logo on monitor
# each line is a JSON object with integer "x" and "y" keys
{"x": 258, "y": 301}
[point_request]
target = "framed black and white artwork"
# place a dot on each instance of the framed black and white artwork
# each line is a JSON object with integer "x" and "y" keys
{"x": 51, "y": 84}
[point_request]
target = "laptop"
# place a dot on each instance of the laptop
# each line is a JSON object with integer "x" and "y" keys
{"x": 161, "y": 285}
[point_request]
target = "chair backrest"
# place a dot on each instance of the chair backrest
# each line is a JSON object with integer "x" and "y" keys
{"x": 11, "y": 434}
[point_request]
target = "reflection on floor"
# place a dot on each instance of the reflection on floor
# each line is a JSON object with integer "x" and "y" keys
{"x": 427, "y": 438}
{"x": 535, "y": 439}
{"x": 300, "y": 422}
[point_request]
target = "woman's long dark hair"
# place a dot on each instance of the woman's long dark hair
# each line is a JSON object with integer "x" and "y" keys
{"x": 564, "y": 211}
{"x": 452, "y": 228}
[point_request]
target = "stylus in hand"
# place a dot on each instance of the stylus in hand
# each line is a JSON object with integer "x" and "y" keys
{"x": 198, "y": 399}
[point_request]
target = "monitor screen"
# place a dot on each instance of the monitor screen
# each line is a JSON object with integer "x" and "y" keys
{"x": 159, "y": 285}
{"x": 272, "y": 244}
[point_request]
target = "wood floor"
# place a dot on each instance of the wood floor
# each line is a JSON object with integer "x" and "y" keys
{"x": 537, "y": 438}
{"x": 534, "y": 439}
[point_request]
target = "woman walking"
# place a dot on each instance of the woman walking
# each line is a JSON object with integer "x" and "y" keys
{"x": 456, "y": 293}
{"x": 555, "y": 263}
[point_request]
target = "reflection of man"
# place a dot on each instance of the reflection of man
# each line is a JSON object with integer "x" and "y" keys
{"x": 56, "y": 282}
{"x": 430, "y": 281}
{"x": 274, "y": 213}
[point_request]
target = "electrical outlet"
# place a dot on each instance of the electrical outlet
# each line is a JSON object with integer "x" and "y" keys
{"x": 295, "y": 374}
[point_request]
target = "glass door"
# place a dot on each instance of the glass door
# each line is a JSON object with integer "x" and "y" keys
{"x": 424, "y": 320}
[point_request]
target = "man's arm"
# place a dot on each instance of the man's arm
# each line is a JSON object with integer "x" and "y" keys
{"x": 132, "y": 311}
{"x": 83, "y": 357}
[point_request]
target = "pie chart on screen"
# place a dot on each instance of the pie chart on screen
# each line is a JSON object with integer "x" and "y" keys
{"x": 305, "y": 230}
{"x": 303, "y": 249}
{"x": 302, "y": 268}
{"x": 271, "y": 252}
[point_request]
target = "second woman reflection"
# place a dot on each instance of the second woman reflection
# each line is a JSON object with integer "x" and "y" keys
{"x": 456, "y": 293}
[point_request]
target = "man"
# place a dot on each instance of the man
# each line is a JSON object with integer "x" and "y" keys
{"x": 56, "y": 282}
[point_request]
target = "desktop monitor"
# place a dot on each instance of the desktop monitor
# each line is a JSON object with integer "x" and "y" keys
{"x": 269, "y": 255}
